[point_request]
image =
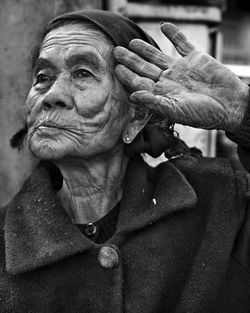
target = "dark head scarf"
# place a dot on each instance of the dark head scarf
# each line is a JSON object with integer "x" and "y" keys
{"x": 120, "y": 30}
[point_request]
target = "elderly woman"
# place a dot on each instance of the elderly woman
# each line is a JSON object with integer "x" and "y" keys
{"x": 96, "y": 229}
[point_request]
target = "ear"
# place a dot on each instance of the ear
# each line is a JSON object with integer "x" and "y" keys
{"x": 135, "y": 124}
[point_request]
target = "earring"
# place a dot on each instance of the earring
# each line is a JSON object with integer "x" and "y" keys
{"x": 126, "y": 139}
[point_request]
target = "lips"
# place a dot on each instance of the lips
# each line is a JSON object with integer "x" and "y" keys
{"x": 48, "y": 124}
{"x": 51, "y": 125}
{"x": 44, "y": 126}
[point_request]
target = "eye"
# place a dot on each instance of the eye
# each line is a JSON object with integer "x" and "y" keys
{"x": 82, "y": 73}
{"x": 42, "y": 78}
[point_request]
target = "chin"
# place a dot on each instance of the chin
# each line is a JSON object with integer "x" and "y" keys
{"x": 46, "y": 149}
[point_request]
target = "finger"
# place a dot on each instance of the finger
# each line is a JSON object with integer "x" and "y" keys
{"x": 131, "y": 80}
{"x": 148, "y": 99}
{"x": 161, "y": 105}
{"x": 136, "y": 63}
{"x": 179, "y": 40}
{"x": 151, "y": 53}
{"x": 199, "y": 111}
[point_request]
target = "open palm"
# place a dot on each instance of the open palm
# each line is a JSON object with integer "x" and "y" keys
{"x": 194, "y": 90}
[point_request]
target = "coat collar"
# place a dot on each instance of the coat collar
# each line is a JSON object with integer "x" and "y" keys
{"x": 151, "y": 194}
{"x": 39, "y": 232}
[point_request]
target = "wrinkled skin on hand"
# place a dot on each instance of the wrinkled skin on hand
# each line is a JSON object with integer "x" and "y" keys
{"x": 194, "y": 90}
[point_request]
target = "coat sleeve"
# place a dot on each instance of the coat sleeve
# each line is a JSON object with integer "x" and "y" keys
{"x": 241, "y": 251}
{"x": 242, "y": 138}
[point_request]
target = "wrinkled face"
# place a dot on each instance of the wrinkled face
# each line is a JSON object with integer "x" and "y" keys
{"x": 75, "y": 106}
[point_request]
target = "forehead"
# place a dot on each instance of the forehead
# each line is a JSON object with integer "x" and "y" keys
{"x": 76, "y": 37}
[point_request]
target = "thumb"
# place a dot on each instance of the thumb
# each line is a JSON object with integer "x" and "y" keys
{"x": 146, "y": 98}
{"x": 161, "y": 105}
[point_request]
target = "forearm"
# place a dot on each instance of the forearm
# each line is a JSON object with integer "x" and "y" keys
{"x": 242, "y": 134}
{"x": 242, "y": 138}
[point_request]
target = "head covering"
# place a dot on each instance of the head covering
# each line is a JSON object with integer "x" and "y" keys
{"x": 118, "y": 28}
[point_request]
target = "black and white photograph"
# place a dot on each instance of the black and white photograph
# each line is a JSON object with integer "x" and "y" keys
{"x": 125, "y": 156}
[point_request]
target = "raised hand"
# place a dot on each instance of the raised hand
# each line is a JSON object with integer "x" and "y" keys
{"x": 194, "y": 90}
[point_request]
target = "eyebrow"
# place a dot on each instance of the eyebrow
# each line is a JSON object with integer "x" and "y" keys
{"x": 89, "y": 58}
{"x": 42, "y": 63}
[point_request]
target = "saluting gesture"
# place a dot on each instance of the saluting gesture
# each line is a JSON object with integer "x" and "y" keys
{"x": 194, "y": 90}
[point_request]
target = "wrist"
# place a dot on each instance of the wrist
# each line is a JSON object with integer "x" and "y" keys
{"x": 238, "y": 114}
{"x": 241, "y": 133}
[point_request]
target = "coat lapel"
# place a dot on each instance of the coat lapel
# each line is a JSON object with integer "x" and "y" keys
{"x": 37, "y": 230}
{"x": 151, "y": 194}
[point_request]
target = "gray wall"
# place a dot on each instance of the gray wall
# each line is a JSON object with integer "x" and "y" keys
{"x": 20, "y": 24}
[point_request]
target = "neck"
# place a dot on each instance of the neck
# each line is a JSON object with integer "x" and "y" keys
{"x": 91, "y": 188}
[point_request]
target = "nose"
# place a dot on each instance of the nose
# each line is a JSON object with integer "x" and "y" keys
{"x": 58, "y": 96}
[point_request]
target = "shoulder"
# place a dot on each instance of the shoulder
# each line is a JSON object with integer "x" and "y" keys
{"x": 3, "y": 211}
{"x": 2, "y": 247}
{"x": 203, "y": 170}
{"x": 206, "y": 176}
{"x": 217, "y": 178}
{"x": 214, "y": 177}
{"x": 2, "y": 217}
{"x": 210, "y": 169}
{"x": 202, "y": 164}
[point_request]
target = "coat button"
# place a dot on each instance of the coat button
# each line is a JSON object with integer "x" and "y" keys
{"x": 108, "y": 257}
{"x": 90, "y": 230}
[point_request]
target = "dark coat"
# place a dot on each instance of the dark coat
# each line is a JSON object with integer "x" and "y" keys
{"x": 181, "y": 245}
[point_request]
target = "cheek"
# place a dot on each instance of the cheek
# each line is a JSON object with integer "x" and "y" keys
{"x": 33, "y": 104}
{"x": 100, "y": 114}
{"x": 91, "y": 101}
{"x": 102, "y": 119}
{"x": 114, "y": 118}
{"x": 101, "y": 101}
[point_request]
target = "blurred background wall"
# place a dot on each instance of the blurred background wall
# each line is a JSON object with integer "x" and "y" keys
{"x": 219, "y": 27}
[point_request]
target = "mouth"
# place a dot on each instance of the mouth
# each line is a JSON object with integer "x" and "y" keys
{"x": 45, "y": 126}
{"x": 49, "y": 126}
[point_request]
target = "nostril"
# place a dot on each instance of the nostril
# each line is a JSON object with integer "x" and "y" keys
{"x": 60, "y": 104}
{"x": 46, "y": 105}
{"x": 49, "y": 105}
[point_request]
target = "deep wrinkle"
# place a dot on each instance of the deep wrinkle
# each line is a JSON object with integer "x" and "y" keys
{"x": 92, "y": 162}
{"x": 42, "y": 64}
{"x": 73, "y": 38}
{"x": 88, "y": 59}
